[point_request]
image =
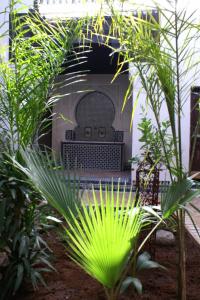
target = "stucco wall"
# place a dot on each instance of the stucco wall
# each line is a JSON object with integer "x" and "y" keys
{"x": 136, "y": 145}
{"x": 66, "y": 107}
{"x": 4, "y": 41}
{"x": 4, "y": 19}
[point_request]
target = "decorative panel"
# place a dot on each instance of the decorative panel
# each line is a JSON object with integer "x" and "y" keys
{"x": 91, "y": 155}
{"x": 118, "y": 136}
{"x": 69, "y": 135}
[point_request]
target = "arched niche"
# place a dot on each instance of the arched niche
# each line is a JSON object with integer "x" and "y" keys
{"x": 95, "y": 114}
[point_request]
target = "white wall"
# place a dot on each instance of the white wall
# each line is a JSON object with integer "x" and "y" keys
{"x": 136, "y": 145}
{"x": 4, "y": 18}
{"x": 185, "y": 124}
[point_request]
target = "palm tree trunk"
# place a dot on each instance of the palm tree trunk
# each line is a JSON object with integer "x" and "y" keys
{"x": 181, "y": 213}
{"x": 182, "y": 257}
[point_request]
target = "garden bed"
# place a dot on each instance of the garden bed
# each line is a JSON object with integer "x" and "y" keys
{"x": 70, "y": 282}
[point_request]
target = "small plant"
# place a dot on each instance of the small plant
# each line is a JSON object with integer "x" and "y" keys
{"x": 143, "y": 263}
{"x": 103, "y": 237}
{"x": 151, "y": 140}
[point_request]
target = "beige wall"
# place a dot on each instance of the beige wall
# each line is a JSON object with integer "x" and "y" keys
{"x": 66, "y": 107}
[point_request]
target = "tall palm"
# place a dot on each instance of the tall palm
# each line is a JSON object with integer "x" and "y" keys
{"x": 28, "y": 78}
{"x": 163, "y": 55}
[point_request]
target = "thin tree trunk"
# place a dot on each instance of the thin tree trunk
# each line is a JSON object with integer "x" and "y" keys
{"x": 182, "y": 257}
{"x": 181, "y": 213}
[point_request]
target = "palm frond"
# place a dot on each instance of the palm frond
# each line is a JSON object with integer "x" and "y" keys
{"x": 56, "y": 186}
{"x": 27, "y": 79}
{"x": 177, "y": 195}
{"x": 104, "y": 234}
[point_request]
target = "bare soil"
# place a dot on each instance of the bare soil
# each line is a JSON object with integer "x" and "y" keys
{"x": 70, "y": 282}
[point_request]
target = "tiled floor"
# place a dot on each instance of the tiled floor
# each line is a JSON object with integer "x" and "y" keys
{"x": 102, "y": 175}
{"x": 196, "y": 217}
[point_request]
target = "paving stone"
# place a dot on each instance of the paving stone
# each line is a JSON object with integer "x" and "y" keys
{"x": 165, "y": 238}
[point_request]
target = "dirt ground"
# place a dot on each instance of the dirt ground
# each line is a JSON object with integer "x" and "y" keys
{"x": 70, "y": 282}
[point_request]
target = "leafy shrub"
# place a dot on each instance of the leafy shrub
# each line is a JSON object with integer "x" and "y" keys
{"x": 20, "y": 230}
{"x": 151, "y": 140}
{"x": 27, "y": 80}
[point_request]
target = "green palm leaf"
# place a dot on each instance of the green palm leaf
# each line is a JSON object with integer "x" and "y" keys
{"x": 53, "y": 183}
{"x": 104, "y": 234}
{"x": 177, "y": 195}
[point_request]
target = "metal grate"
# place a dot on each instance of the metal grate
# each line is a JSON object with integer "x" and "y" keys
{"x": 104, "y": 156}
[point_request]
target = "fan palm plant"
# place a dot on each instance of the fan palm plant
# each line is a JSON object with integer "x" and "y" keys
{"x": 103, "y": 238}
{"x": 102, "y": 234}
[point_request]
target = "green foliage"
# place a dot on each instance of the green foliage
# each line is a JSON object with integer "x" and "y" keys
{"x": 20, "y": 230}
{"x": 52, "y": 181}
{"x": 27, "y": 93}
{"x": 179, "y": 196}
{"x": 104, "y": 235}
{"x": 143, "y": 263}
{"x": 132, "y": 281}
{"x": 101, "y": 234}
{"x": 164, "y": 57}
{"x": 3, "y": 25}
{"x": 151, "y": 140}
{"x": 27, "y": 89}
